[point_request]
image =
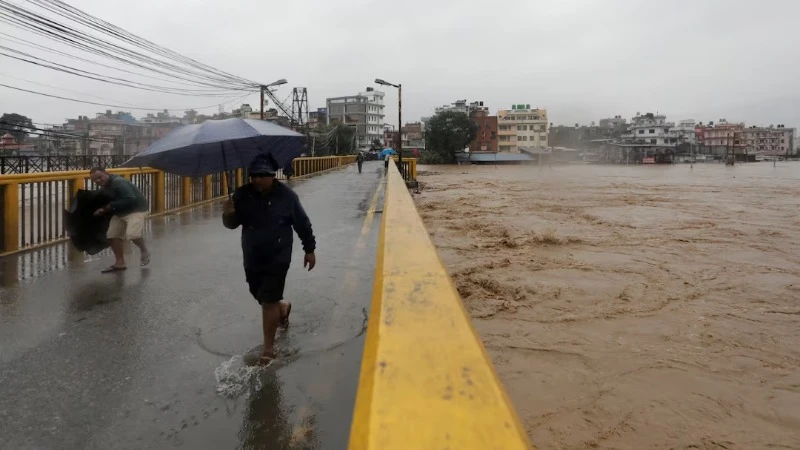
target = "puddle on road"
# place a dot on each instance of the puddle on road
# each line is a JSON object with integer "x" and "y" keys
{"x": 235, "y": 378}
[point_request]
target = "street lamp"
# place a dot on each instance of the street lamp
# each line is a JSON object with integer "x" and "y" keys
{"x": 399, "y": 116}
{"x": 264, "y": 87}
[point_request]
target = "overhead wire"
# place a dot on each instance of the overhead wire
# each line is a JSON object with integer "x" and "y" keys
{"x": 61, "y": 88}
{"x": 27, "y": 43}
{"x": 181, "y": 69}
{"x": 121, "y": 106}
{"x": 110, "y": 80}
{"x": 34, "y": 22}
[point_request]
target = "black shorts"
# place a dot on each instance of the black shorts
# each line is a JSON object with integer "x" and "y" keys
{"x": 267, "y": 285}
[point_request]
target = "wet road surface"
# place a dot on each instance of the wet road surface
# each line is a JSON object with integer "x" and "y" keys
{"x": 151, "y": 358}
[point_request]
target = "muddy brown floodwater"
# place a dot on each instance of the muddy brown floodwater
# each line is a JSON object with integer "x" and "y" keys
{"x": 632, "y": 307}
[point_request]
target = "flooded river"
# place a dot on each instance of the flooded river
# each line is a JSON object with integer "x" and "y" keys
{"x": 632, "y": 307}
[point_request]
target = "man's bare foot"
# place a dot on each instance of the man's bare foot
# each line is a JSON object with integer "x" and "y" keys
{"x": 266, "y": 358}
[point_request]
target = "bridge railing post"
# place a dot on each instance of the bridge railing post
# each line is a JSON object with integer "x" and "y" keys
{"x": 186, "y": 191}
{"x": 9, "y": 217}
{"x": 160, "y": 192}
{"x": 207, "y": 193}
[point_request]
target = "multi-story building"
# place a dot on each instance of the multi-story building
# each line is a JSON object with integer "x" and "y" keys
{"x": 105, "y": 134}
{"x": 161, "y": 117}
{"x": 318, "y": 118}
{"x": 652, "y": 131}
{"x": 521, "y": 126}
{"x": 413, "y": 136}
{"x": 486, "y": 136}
{"x": 686, "y": 132}
{"x": 723, "y": 138}
{"x": 389, "y": 136}
{"x": 364, "y": 112}
{"x": 769, "y": 141}
{"x": 613, "y": 122}
{"x": 457, "y": 106}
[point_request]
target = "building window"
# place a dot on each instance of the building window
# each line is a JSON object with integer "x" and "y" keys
{"x": 652, "y": 131}
{"x": 641, "y": 131}
{"x": 653, "y": 141}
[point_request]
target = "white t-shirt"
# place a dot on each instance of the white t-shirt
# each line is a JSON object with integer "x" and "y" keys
{"x": 386, "y": 158}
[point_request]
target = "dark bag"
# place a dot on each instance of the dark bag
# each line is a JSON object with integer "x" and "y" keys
{"x": 86, "y": 231}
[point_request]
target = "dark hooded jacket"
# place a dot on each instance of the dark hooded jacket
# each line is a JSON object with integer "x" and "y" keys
{"x": 267, "y": 220}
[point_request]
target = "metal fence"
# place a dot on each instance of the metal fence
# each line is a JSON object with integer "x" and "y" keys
{"x": 58, "y": 163}
{"x": 408, "y": 169}
{"x": 32, "y": 205}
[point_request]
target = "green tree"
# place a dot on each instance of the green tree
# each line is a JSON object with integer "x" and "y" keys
{"x": 344, "y": 140}
{"x": 447, "y": 133}
{"x": 18, "y": 125}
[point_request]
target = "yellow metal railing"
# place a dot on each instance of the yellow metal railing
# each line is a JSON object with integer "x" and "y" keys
{"x": 426, "y": 380}
{"x": 408, "y": 169}
{"x": 32, "y": 205}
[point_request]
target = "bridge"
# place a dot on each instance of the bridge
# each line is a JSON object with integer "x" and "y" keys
{"x": 380, "y": 353}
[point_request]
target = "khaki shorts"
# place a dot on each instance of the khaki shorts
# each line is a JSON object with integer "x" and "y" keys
{"x": 127, "y": 227}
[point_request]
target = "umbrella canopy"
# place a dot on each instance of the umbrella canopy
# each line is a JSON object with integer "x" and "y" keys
{"x": 387, "y": 151}
{"x": 219, "y": 145}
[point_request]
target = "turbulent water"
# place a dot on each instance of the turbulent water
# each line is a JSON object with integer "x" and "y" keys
{"x": 632, "y": 306}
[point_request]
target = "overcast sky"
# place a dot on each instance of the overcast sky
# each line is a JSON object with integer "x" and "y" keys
{"x": 580, "y": 59}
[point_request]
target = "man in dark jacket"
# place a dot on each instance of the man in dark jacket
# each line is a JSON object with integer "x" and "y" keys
{"x": 267, "y": 210}
{"x": 128, "y": 210}
{"x": 360, "y": 160}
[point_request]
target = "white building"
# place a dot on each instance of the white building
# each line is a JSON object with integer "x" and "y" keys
{"x": 651, "y": 130}
{"x": 364, "y": 112}
{"x": 686, "y": 132}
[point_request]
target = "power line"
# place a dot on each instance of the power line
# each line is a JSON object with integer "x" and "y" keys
{"x": 110, "y": 80}
{"x": 59, "y": 88}
{"x": 44, "y": 48}
{"x": 120, "y": 106}
{"x": 52, "y": 29}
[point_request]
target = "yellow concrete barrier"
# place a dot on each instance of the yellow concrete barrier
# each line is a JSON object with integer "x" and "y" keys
{"x": 426, "y": 381}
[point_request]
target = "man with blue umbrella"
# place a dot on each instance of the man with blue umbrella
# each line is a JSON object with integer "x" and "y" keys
{"x": 267, "y": 210}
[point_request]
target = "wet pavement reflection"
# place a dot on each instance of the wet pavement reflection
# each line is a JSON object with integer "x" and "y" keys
{"x": 152, "y": 357}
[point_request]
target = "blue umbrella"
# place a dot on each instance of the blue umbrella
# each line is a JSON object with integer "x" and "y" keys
{"x": 387, "y": 151}
{"x": 219, "y": 145}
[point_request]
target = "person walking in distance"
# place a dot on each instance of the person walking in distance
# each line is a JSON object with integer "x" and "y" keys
{"x": 386, "y": 159}
{"x": 267, "y": 210}
{"x": 129, "y": 209}
{"x": 360, "y": 160}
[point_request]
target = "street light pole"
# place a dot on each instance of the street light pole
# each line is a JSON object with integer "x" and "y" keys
{"x": 264, "y": 87}
{"x": 399, "y": 117}
{"x": 400, "y": 125}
